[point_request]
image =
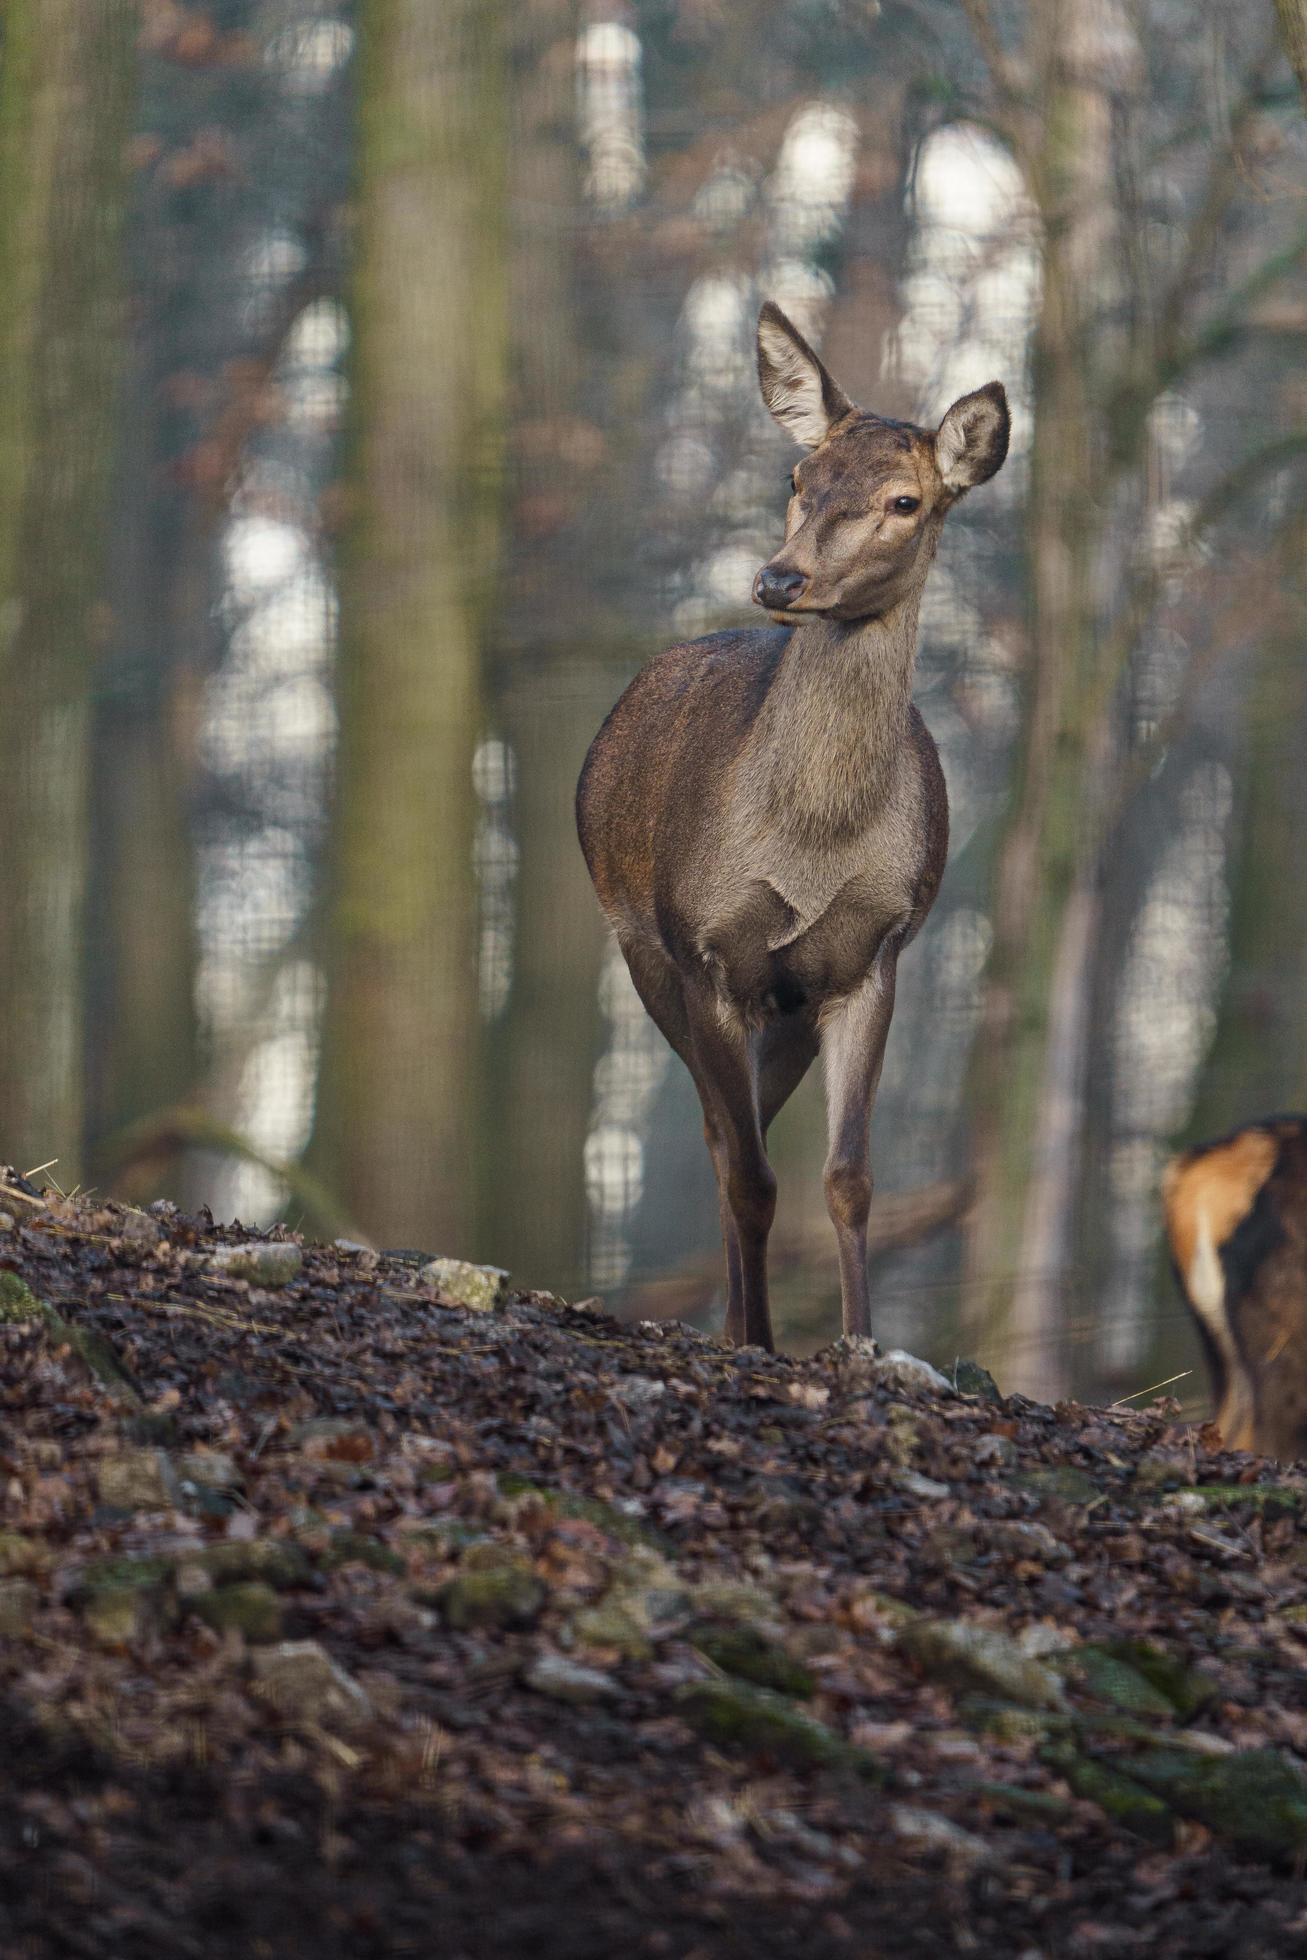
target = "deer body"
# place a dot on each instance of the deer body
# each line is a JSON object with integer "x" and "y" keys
{"x": 1236, "y": 1219}
{"x": 764, "y": 815}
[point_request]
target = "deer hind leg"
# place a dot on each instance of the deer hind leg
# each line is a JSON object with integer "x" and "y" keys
{"x": 725, "y": 1074}
{"x": 853, "y": 1039}
{"x": 785, "y": 1050}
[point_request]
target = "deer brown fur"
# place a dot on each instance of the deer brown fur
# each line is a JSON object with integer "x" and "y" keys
{"x": 764, "y": 815}
{"x": 1236, "y": 1218}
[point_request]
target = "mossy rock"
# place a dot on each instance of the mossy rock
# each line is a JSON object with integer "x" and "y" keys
{"x": 21, "y": 1556}
{"x": 1039, "y": 1805}
{"x": 1007, "y": 1722}
{"x": 969, "y": 1378}
{"x": 122, "y": 1573}
{"x": 610, "y": 1623}
{"x": 734, "y": 1714}
{"x": 19, "y": 1303}
{"x": 967, "y": 1655}
{"x": 1253, "y": 1798}
{"x": 734, "y": 1601}
{"x": 571, "y": 1504}
{"x": 250, "y": 1608}
{"x": 119, "y": 1616}
{"x": 1183, "y": 1688}
{"x": 357, "y": 1548}
{"x": 506, "y": 1594}
{"x": 1138, "y": 1810}
{"x": 278, "y": 1562}
{"x": 1108, "y": 1676}
{"x": 750, "y": 1656}
{"x": 1273, "y": 1500}
{"x": 17, "y": 1300}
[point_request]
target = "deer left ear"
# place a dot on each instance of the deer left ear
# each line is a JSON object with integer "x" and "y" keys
{"x": 972, "y": 440}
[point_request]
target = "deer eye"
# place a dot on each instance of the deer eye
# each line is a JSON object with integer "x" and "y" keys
{"x": 794, "y": 488}
{"x": 906, "y": 504}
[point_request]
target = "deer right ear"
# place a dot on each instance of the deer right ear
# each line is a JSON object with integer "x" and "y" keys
{"x": 795, "y": 386}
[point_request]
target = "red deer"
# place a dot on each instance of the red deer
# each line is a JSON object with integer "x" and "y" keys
{"x": 1236, "y": 1217}
{"x": 763, "y": 812}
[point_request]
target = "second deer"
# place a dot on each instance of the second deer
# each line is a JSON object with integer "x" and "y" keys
{"x": 1236, "y": 1218}
{"x": 764, "y": 815}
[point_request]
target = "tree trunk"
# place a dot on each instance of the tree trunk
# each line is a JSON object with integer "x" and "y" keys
{"x": 65, "y": 114}
{"x": 398, "y": 1095}
{"x": 1026, "y": 1076}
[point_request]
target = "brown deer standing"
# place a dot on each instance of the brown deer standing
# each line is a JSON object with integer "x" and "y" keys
{"x": 764, "y": 816}
{"x": 1236, "y": 1217}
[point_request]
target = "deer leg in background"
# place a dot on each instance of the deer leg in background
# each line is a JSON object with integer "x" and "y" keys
{"x": 722, "y": 1064}
{"x": 785, "y": 1052}
{"x": 853, "y": 1048}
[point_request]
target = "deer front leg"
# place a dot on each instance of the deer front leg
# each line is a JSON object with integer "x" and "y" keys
{"x": 853, "y": 1048}
{"x": 723, "y": 1068}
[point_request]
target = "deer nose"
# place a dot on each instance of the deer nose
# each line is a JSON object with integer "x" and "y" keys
{"x": 777, "y": 590}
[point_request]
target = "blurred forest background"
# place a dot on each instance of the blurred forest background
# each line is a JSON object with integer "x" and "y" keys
{"x": 379, "y": 393}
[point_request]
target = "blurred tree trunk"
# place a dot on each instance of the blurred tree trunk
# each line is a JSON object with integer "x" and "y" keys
{"x": 65, "y": 115}
{"x": 398, "y": 1093}
{"x": 1025, "y": 1087}
{"x": 1258, "y": 1059}
{"x": 547, "y": 1039}
{"x": 143, "y": 1051}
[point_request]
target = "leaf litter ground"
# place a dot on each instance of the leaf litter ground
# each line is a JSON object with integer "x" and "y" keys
{"x": 338, "y": 1617}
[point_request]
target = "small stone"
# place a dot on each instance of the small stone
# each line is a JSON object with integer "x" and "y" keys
{"x": 482, "y": 1288}
{"x": 1024, "y": 1539}
{"x": 301, "y": 1683}
{"x": 993, "y": 1450}
{"x": 565, "y": 1680}
{"x": 210, "y": 1469}
{"x": 930, "y": 1832}
{"x": 138, "y": 1228}
{"x": 6, "y": 1221}
{"x": 906, "y": 1370}
{"x": 912, "y": 1484}
{"x": 138, "y": 1480}
{"x": 264, "y": 1262}
{"x": 252, "y": 1609}
{"x": 636, "y": 1391}
{"x": 968, "y": 1655}
{"x": 18, "y": 1599}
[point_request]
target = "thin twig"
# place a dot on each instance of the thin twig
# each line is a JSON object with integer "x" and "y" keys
{"x": 1152, "y": 1388}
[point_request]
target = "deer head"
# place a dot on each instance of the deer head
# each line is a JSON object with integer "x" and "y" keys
{"x": 870, "y": 497}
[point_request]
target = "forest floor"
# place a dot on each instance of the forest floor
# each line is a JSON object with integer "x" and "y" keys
{"x": 338, "y": 1618}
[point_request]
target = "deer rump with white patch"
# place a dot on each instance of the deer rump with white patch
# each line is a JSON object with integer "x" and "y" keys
{"x": 1236, "y": 1219}
{"x": 763, "y": 812}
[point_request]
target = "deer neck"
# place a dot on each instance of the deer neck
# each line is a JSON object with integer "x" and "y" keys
{"x": 831, "y": 737}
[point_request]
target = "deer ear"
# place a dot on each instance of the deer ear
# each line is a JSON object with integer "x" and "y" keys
{"x": 972, "y": 440}
{"x": 795, "y": 385}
